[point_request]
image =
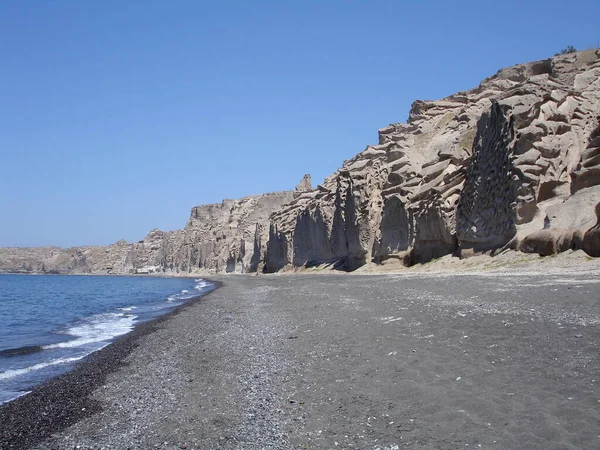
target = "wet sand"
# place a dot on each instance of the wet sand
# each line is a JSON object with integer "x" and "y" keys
{"x": 480, "y": 360}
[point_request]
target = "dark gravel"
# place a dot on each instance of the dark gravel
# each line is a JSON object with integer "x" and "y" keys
{"x": 64, "y": 400}
{"x": 507, "y": 361}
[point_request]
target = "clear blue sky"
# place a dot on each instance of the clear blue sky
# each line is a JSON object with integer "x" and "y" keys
{"x": 119, "y": 116}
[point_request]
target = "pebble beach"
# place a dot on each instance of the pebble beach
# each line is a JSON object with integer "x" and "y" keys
{"x": 505, "y": 360}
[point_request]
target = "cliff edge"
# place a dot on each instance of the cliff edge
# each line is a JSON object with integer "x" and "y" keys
{"x": 220, "y": 238}
{"x": 513, "y": 163}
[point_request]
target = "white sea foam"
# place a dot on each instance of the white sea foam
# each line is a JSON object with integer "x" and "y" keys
{"x": 12, "y": 373}
{"x": 128, "y": 308}
{"x": 97, "y": 328}
{"x": 87, "y": 336}
{"x": 7, "y": 396}
{"x": 201, "y": 284}
{"x": 186, "y": 294}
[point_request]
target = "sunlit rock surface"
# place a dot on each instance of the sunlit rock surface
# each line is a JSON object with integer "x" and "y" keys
{"x": 471, "y": 173}
{"x": 512, "y": 164}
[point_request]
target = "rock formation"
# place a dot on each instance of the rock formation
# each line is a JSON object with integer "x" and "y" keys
{"x": 514, "y": 162}
{"x": 227, "y": 237}
{"x": 511, "y": 164}
{"x": 591, "y": 239}
{"x": 304, "y": 185}
{"x": 89, "y": 259}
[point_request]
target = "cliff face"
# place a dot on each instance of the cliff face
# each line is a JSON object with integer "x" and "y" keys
{"x": 79, "y": 260}
{"x": 514, "y": 162}
{"x": 226, "y": 237}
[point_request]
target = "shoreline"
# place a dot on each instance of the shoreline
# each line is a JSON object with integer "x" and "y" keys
{"x": 382, "y": 362}
{"x": 364, "y": 361}
{"x": 145, "y": 275}
{"x": 507, "y": 261}
{"x": 66, "y": 399}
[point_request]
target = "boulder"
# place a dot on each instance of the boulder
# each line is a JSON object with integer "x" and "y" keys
{"x": 550, "y": 242}
{"x": 591, "y": 239}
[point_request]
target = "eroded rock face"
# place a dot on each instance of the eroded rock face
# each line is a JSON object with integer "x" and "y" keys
{"x": 485, "y": 218}
{"x": 333, "y": 223}
{"x": 513, "y": 163}
{"x": 305, "y": 184}
{"x": 227, "y": 237}
{"x": 591, "y": 239}
{"x": 111, "y": 259}
{"x": 473, "y": 172}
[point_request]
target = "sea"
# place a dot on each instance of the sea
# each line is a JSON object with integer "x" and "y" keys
{"x": 49, "y": 322}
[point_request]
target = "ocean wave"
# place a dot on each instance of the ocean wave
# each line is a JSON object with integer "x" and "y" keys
{"x": 201, "y": 284}
{"x": 7, "y": 396}
{"x": 12, "y": 373}
{"x": 20, "y": 351}
{"x": 113, "y": 315}
{"x": 185, "y": 294}
{"x": 97, "y": 328}
{"x": 127, "y": 308}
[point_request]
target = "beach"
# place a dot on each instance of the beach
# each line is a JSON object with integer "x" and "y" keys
{"x": 506, "y": 360}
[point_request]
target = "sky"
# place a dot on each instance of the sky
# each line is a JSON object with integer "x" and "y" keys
{"x": 117, "y": 117}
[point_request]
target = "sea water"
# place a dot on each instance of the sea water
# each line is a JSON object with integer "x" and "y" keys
{"x": 49, "y": 322}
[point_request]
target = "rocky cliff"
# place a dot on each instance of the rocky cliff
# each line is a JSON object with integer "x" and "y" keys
{"x": 89, "y": 259}
{"x": 513, "y": 163}
{"x": 226, "y": 237}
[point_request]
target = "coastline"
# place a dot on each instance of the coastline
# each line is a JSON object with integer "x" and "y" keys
{"x": 507, "y": 260}
{"x": 64, "y": 400}
{"x": 373, "y": 361}
{"x": 499, "y": 358}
